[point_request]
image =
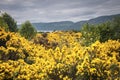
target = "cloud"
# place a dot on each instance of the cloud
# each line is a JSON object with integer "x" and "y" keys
{"x": 58, "y": 10}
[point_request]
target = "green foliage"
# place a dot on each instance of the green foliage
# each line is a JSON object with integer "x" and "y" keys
{"x": 27, "y": 30}
{"x": 110, "y": 30}
{"x": 101, "y": 32}
{"x": 3, "y": 24}
{"x": 12, "y": 26}
{"x": 116, "y": 28}
{"x": 105, "y": 31}
{"x": 90, "y": 34}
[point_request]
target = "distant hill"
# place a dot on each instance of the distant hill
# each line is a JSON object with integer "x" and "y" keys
{"x": 63, "y": 25}
{"x": 98, "y": 20}
{"x": 69, "y": 25}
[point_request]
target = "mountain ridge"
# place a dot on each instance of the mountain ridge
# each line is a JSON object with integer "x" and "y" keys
{"x": 69, "y": 25}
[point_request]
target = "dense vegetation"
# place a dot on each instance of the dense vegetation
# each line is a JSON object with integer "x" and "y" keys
{"x": 62, "y": 55}
{"x": 27, "y": 30}
{"x": 101, "y": 32}
{"x": 3, "y": 24}
{"x": 12, "y": 25}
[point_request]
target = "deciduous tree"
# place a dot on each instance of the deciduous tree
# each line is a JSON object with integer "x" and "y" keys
{"x": 27, "y": 30}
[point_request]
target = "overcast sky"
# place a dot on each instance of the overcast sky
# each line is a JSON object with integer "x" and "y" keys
{"x": 58, "y": 10}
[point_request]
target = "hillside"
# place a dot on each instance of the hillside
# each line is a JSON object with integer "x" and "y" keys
{"x": 63, "y": 25}
{"x": 97, "y": 20}
{"x": 69, "y": 25}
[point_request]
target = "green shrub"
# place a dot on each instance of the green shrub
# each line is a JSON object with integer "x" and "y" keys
{"x": 27, "y": 30}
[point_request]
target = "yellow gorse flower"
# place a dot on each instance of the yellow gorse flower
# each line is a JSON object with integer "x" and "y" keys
{"x": 22, "y": 59}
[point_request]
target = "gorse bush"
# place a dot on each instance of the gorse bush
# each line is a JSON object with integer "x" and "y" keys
{"x": 102, "y": 61}
{"x": 59, "y": 38}
{"x": 21, "y": 59}
{"x": 13, "y": 46}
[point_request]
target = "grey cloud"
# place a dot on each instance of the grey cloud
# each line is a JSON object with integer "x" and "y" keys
{"x": 58, "y": 10}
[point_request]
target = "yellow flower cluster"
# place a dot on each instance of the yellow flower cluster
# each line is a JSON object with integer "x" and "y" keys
{"x": 21, "y": 59}
{"x": 103, "y": 61}
{"x": 59, "y": 38}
